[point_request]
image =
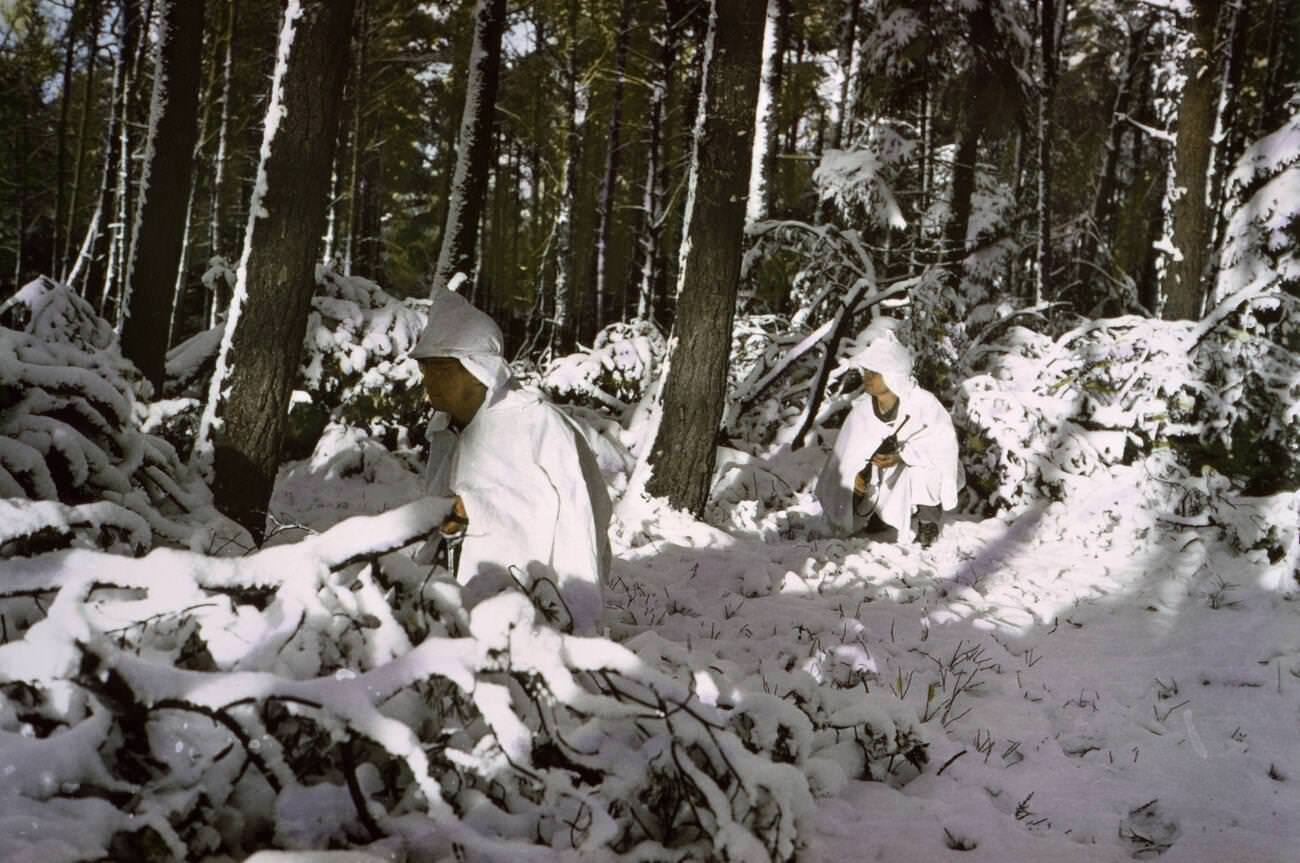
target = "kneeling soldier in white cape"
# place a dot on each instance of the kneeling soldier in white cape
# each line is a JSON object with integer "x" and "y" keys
{"x": 530, "y": 500}
{"x": 896, "y": 452}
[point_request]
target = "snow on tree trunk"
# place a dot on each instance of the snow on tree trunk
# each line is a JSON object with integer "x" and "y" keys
{"x": 473, "y": 147}
{"x": 257, "y": 365}
{"x": 163, "y": 201}
{"x": 132, "y": 22}
{"x": 1228, "y": 138}
{"x": 95, "y": 245}
{"x": 1184, "y": 279}
{"x": 694, "y": 389}
{"x": 761, "y": 164}
{"x": 609, "y": 181}
{"x": 61, "y": 137}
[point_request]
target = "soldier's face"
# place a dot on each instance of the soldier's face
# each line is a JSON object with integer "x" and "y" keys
{"x": 874, "y": 384}
{"x": 447, "y": 386}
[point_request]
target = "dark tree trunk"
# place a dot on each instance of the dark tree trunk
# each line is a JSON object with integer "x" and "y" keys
{"x": 207, "y": 97}
{"x": 848, "y": 31}
{"x": 796, "y": 116}
{"x": 473, "y": 146}
{"x": 649, "y": 275}
{"x": 1283, "y": 64}
{"x": 609, "y": 180}
{"x": 358, "y": 140}
{"x": 218, "y": 209}
{"x": 83, "y": 134}
{"x": 165, "y": 181}
{"x": 1103, "y": 203}
{"x": 268, "y": 318}
{"x": 694, "y": 396}
{"x": 576, "y": 93}
{"x": 973, "y": 119}
{"x": 925, "y": 169}
{"x": 1046, "y": 95}
{"x": 1184, "y": 282}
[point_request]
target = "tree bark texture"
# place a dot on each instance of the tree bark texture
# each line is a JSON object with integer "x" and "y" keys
{"x": 1046, "y": 95}
{"x": 83, "y": 135}
{"x": 609, "y": 181}
{"x": 1184, "y": 288}
{"x": 973, "y": 119}
{"x": 1102, "y": 202}
{"x": 694, "y": 397}
{"x": 277, "y": 270}
{"x": 164, "y": 197}
{"x": 649, "y": 257}
{"x": 1283, "y": 63}
{"x": 563, "y": 331}
{"x": 844, "y": 55}
{"x": 474, "y": 145}
{"x": 217, "y": 205}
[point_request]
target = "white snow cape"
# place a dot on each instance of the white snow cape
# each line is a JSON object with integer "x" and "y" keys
{"x": 930, "y": 473}
{"x": 534, "y": 495}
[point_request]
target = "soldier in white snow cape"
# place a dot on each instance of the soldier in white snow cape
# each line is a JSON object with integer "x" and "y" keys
{"x": 896, "y": 452}
{"x": 530, "y": 499}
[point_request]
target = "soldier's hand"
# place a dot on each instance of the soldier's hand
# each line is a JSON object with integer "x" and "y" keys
{"x": 456, "y": 520}
{"x": 859, "y": 485}
{"x": 888, "y": 460}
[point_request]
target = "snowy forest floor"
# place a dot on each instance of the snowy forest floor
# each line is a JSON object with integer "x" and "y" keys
{"x": 1095, "y": 682}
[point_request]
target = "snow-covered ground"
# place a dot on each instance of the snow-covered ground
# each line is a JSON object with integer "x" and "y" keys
{"x": 1097, "y": 682}
{"x": 1113, "y": 675}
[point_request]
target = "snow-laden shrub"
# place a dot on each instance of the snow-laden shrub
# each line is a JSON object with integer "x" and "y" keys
{"x": 856, "y": 180}
{"x": 771, "y": 369}
{"x": 70, "y": 437}
{"x": 614, "y": 373}
{"x": 354, "y": 366}
{"x": 1038, "y": 412}
{"x": 1262, "y": 238}
{"x": 355, "y": 362}
{"x": 334, "y": 693}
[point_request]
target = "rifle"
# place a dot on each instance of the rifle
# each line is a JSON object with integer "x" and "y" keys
{"x": 888, "y": 446}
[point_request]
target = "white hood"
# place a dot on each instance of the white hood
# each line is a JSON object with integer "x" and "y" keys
{"x": 457, "y": 329}
{"x": 887, "y": 357}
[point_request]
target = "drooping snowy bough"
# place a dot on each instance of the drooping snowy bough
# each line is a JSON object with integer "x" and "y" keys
{"x": 332, "y": 692}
